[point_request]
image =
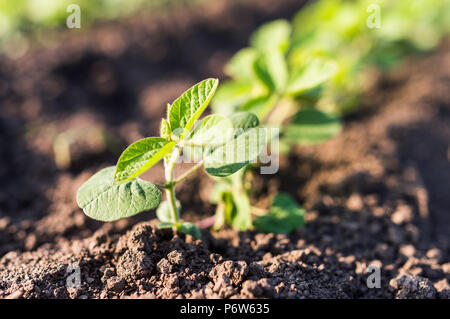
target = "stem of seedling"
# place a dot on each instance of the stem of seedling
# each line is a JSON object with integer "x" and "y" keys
{"x": 189, "y": 172}
{"x": 283, "y": 109}
{"x": 170, "y": 184}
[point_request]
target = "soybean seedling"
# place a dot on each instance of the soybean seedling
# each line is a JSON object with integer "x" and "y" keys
{"x": 283, "y": 95}
{"x": 264, "y": 81}
{"x": 221, "y": 145}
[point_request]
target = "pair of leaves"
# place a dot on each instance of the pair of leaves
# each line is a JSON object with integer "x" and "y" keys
{"x": 256, "y": 70}
{"x": 233, "y": 207}
{"x": 262, "y": 74}
{"x": 215, "y": 131}
{"x": 284, "y": 216}
{"x": 182, "y": 114}
{"x": 115, "y": 192}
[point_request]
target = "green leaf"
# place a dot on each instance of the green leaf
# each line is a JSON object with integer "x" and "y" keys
{"x": 284, "y": 216}
{"x": 244, "y": 121}
{"x": 102, "y": 199}
{"x": 213, "y": 130}
{"x": 230, "y": 96}
{"x": 191, "y": 229}
{"x": 140, "y": 156}
{"x": 310, "y": 75}
{"x": 272, "y": 35}
{"x": 240, "y": 123}
{"x": 311, "y": 127}
{"x": 261, "y": 106}
{"x": 163, "y": 225}
{"x": 242, "y": 218}
{"x": 190, "y": 105}
{"x": 262, "y": 72}
{"x": 241, "y": 65}
{"x": 235, "y": 154}
{"x": 164, "y": 129}
{"x": 276, "y": 66}
{"x": 163, "y": 212}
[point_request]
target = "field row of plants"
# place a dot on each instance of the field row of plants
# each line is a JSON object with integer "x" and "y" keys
{"x": 22, "y": 19}
{"x": 289, "y": 87}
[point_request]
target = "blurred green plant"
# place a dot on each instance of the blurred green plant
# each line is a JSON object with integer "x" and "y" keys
{"x": 300, "y": 76}
{"x": 338, "y": 29}
{"x": 283, "y": 95}
{"x": 21, "y": 20}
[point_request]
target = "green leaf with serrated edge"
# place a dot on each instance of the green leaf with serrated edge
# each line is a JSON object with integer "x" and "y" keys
{"x": 284, "y": 216}
{"x": 244, "y": 120}
{"x": 163, "y": 212}
{"x": 190, "y": 105}
{"x": 213, "y": 130}
{"x": 272, "y": 35}
{"x": 230, "y": 96}
{"x": 310, "y": 75}
{"x": 311, "y": 126}
{"x": 240, "y": 65}
{"x": 140, "y": 156}
{"x": 261, "y": 106}
{"x": 235, "y": 154}
{"x": 102, "y": 199}
{"x": 191, "y": 229}
{"x": 242, "y": 218}
{"x": 163, "y": 225}
{"x": 164, "y": 129}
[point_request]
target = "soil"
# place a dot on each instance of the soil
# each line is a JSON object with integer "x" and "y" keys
{"x": 375, "y": 195}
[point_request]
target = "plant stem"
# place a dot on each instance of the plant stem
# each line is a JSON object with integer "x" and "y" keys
{"x": 189, "y": 172}
{"x": 283, "y": 109}
{"x": 170, "y": 184}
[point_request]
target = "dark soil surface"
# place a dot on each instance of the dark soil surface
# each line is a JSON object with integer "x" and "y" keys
{"x": 376, "y": 195}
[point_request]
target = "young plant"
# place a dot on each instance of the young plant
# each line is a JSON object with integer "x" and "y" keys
{"x": 222, "y": 146}
{"x": 282, "y": 95}
{"x": 345, "y": 31}
{"x": 295, "y": 77}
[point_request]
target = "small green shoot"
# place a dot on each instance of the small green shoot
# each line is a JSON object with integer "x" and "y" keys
{"x": 222, "y": 146}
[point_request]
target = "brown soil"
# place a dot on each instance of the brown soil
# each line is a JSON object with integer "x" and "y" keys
{"x": 376, "y": 195}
